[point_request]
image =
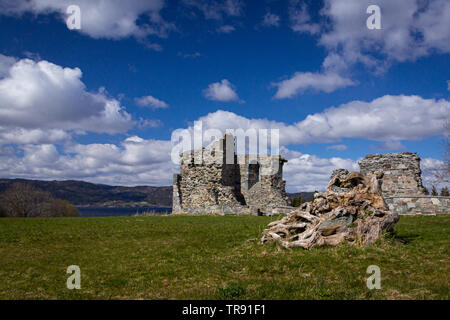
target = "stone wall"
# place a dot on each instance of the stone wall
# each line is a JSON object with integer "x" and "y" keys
{"x": 401, "y": 184}
{"x": 209, "y": 184}
{"x": 401, "y": 172}
{"x": 419, "y": 205}
{"x": 261, "y": 180}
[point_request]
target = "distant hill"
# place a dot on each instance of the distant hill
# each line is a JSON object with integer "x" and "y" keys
{"x": 82, "y": 193}
{"x": 306, "y": 196}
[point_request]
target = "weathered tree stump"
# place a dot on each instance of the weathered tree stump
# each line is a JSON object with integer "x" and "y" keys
{"x": 351, "y": 210}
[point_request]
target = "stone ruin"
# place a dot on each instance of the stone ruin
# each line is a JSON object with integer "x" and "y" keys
{"x": 401, "y": 172}
{"x": 216, "y": 180}
{"x": 219, "y": 181}
{"x": 401, "y": 184}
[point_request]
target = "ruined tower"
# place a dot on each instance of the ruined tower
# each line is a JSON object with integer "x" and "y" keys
{"x": 401, "y": 172}
{"x": 218, "y": 181}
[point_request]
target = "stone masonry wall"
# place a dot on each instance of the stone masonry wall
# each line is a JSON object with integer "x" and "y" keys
{"x": 401, "y": 172}
{"x": 401, "y": 184}
{"x": 419, "y": 205}
{"x": 262, "y": 182}
{"x": 205, "y": 180}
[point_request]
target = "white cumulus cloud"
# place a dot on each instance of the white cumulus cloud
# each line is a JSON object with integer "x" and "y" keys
{"x": 134, "y": 162}
{"x": 306, "y": 172}
{"x": 410, "y": 30}
{"x": 226, "y": 29}
{"x": 301, "y": 81}
{"x": 5, "y": 64}
{"x": 15, "y": 135}
{"x": 112, "y": 19}
{"x": 300, "y": 18}
{"x": 152, "y": 102}
{"x": 222, "y": 91}
{"x": 391, "y": 145}
{"x": 388, "y": 118}
{"x": 271, "y": 20}
{"x": 42, "y": 95}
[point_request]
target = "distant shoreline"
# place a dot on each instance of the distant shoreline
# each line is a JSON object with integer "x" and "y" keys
{"x": 121, "y": 206}
{"x": 121, "y": 212}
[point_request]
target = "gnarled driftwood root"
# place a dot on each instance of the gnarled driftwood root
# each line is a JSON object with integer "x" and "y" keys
{"x": 351, "y": 210}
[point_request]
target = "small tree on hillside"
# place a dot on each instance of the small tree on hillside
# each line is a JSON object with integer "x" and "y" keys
{"x": 23, "y": 200}
{"x": 60, "y": 208}
{"x": 444, "y": 192}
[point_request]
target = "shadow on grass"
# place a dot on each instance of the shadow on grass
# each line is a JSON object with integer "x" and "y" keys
{"x": 402, "y": 238}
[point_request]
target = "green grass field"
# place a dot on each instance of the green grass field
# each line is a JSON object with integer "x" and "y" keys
{"x": 208, "y": 257}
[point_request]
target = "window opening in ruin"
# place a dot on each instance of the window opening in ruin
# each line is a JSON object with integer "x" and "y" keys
{"x": 254, "y": 172}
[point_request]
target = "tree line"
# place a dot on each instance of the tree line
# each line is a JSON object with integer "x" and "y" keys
{"x": 434, "y": 192}
{"x": 296, "y": 201}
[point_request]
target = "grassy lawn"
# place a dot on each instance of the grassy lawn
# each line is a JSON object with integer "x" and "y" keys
{"x": 206, "y": 257}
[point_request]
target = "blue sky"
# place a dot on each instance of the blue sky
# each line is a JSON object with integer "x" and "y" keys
{"x": 267, "y": 64}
